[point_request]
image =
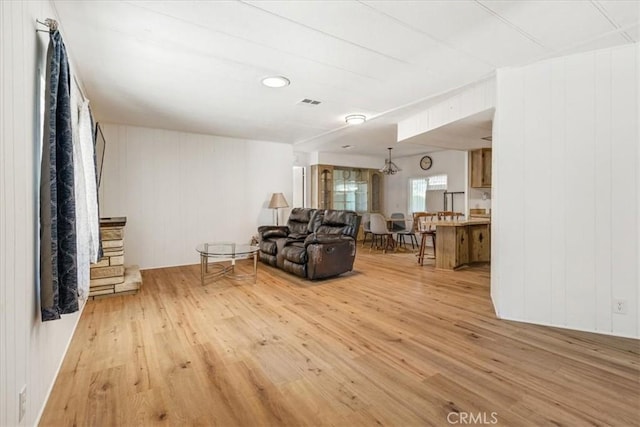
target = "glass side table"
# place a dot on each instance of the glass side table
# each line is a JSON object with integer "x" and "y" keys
{"x": 221, "y": 252}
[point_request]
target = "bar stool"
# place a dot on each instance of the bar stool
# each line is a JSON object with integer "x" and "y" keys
{"x": 426, "y": 228}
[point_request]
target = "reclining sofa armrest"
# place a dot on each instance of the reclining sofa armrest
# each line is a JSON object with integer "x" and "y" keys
{"x": 295, "y": 238}
{"x": 268, "y": 231}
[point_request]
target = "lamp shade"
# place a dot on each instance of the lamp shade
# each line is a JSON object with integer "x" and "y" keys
{"x": 278, "y": 201}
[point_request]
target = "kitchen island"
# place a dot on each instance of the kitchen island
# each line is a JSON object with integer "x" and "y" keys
{"x": 459, "y": 243}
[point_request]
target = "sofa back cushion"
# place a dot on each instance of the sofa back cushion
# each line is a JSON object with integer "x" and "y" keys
{"x": 339, "y": 222}
{"x": 299, "y": 220}
{"x": 315, "y": 221}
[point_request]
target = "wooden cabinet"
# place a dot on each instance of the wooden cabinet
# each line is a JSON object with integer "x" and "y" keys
{"x": 339, "y": 187}
{"x": 480, "y": 168}
{"x": 375, "y": 195}
{"x": 479, "y": 243}
{"x": 452, "y": 247}
{"x": 462, "y": 242}
{"x": 322, "y": 186}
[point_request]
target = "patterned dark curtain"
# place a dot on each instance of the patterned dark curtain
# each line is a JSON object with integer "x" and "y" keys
{"x": 58, "y": 251}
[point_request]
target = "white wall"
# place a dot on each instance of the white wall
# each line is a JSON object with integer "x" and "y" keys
{"x": 30, "y": 351}
{"x": 179, "y": 189}
{"x": 477, "y": 200}
{"x": 453, "y": 163}
{"x": 347, "y": 159}
{"x": 566, "y": 190}
{"x": 462, "y": 103}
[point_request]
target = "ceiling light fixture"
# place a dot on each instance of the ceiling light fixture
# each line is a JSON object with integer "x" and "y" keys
{"x": 276, "y": 81}
{"x": 390, "y": 168}
{"x": 355, "y": 119}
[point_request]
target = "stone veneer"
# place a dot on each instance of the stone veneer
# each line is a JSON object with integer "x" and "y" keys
{"x": 109, "y": 276}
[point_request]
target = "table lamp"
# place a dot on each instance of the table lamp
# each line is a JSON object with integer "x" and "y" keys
{"x": 278, "y": 201}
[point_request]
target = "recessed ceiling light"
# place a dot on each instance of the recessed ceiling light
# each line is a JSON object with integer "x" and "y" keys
{"x": 276, "y": 81}
{"x": 355, "y": 119}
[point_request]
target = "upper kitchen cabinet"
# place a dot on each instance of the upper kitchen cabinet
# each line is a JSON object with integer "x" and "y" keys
{"x": 480, "y": 168}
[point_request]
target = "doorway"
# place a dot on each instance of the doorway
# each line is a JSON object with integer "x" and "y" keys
{"x": 298, "y": 187}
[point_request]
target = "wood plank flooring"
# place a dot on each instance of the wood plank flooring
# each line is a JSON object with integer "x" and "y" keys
{"x": 392, "y": 344}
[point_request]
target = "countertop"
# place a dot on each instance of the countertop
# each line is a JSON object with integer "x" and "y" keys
{"x": 461, "y": 223}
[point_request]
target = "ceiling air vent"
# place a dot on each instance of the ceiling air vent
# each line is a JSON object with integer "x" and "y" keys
{"x": 309, "y": 101}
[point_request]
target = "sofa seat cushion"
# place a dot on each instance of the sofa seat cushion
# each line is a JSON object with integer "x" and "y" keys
{"x": 295, "y": 252}
{"x": 268, "y": 247}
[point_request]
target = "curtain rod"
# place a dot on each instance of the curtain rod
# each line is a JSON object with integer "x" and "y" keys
{"x": 52, "y": 24}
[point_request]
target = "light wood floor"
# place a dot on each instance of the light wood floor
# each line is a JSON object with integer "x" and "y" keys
{"x": 390, "y": 344}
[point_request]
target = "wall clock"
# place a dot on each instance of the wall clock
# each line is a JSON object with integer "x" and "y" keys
{"x": 426, "y": 162}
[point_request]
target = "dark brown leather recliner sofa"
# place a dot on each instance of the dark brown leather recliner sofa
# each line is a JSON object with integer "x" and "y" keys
{"x": 314, "y": 244}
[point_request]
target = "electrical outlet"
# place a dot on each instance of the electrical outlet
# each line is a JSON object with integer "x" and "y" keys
{"x": 23, "y": 403}
{"x": 620, "y": 306}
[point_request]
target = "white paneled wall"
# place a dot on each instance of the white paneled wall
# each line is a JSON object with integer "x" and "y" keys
{"x": 179, "y": 189}
{"x": 30, "y": 351}
{"x": 566, "y": 192}
{"x": 465, "y": 102}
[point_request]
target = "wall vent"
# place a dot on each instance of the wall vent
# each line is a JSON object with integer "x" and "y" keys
{"x": 309, "y": 101}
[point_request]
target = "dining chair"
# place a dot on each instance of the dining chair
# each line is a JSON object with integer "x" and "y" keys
{"x": 378, "y": 226}
{"x": 449, "y": 215}
{"x": 397, "y": 221}
{"x": 366, "y": 227}
{"x": 400, "y": 228}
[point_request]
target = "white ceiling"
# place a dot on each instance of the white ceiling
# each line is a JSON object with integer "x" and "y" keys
{"x": 196, "y": 66}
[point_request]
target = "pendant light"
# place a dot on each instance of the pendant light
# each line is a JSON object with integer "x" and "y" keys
{"x": 390, "y": 168}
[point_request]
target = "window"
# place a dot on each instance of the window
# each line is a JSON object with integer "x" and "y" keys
{"x": 437, "y": 182}
{"x": 418, "y": 188}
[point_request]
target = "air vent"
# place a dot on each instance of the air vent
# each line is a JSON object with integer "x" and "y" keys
{"x": 309, "y": 101}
